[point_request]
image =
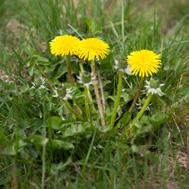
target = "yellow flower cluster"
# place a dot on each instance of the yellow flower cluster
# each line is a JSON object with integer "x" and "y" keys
{"x": 143, "y": 63}
{"x": 87, "y": 49}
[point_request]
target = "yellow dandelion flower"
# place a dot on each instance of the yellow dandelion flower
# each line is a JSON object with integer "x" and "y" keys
{"x": 93, "y": 48}
{"x": 64, "y": 45}
{"x": 144, "y": 62}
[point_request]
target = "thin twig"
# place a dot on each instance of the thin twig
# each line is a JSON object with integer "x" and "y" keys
{"x": 14, "y": 183}
{"x": 69, "y": 70}
{"x": 102, "y": 92}
{"x": 97, "y": 93}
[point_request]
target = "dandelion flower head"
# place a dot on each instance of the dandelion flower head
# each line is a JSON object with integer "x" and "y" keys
{"x": 144, "y": 62}
{"x": 93, "y": 48}
{"x": 64, "y": 45}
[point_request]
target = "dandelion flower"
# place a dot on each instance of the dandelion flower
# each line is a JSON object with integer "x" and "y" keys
{"x": 64, "y": 45}
{"x": 144, "y": 62}
{"x": 93, "y": 48}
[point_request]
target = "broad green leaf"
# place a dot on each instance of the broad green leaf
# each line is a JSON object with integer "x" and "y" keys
{"x": 73, "y": 130}
{"x": 38, "y": 140}
{"x": 55, "y": 122}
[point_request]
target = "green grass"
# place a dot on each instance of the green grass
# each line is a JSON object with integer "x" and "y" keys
{"x": 42, "y": 145}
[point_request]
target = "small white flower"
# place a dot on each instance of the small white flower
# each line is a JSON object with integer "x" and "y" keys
{"x": 55, "y": 95}
{"x": 42, "y": 80}
{"x": 122, "y": 67}
{"x": 116, "y": 64}
{"x": 140, "y": 104}
{"x": 42, "y": 87}
{"x": 69, "y": 93}
{"x": 4, "y": 77}
{"x": 39, "y": 84}
{"x": 152, "y": 86}
{"x": 62, "y": 92}
{"x": 85, "y": 79}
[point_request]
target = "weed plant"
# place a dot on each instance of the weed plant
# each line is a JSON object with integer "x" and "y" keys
{"x": 51, "y": 133}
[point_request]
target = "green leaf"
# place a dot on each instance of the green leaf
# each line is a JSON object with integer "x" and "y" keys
{"x": 73, "y": 130}
{"x": 186, "y": 99}
{"x": 126, "y": 97}
{"x": 159, "y": 118}
{"x": 41, "y": 60}
{"x": 125, "y": 119}
{"x": 61, "y": 71}
{"x": 111, "y": 97}
{"x": 9, "y": 150}
{"x": 13, "y": 148}
{"x": 59, "y": 144}
{"x": 135, "y": 148}
{"x": 54, "y": 122}
{"x": 31, "y": 70}
{"x": 38, "y": 140}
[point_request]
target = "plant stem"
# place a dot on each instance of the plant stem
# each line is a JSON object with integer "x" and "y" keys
{"x": 87, "y": 104}
{"x": 69, "y": 70}
{"x": 117, "y": 100}
{"x": 136, "y": 95}
{"x": 102, "y": 92}
{"x": 86, "y": 89}
{"x": 14, "y": 182}
{"x": 81, "y": 67}
{"x": 79, "y": 116}
{"x": 97, "y": 93}
{"x": 43, "y": 155}
{"x": 129, "y": 128}
{"x": 43, "y": 165}
{"x": 141, "y": 112}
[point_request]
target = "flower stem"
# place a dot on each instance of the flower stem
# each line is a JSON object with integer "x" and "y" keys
{"x": 43, "y": 165}
{"x": 89, "y": 94}
{"x": 14, "y": 181}
{"x": 79, "y": 116}
{"x": 136, "y": 95}
{"x": 129, "y": 128}
{"x": 69, "y": 70}
{"x": 88, "y": 97}
{"x": 87, "y": 104}
{"x": 141, "y": 112}
{"x": 81, "y": 67}
{"x": 101, "y": 92}
{"x": 117, "y": 100}
{"x": 97, "y": 93}
{"x": 44, "y": 143}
